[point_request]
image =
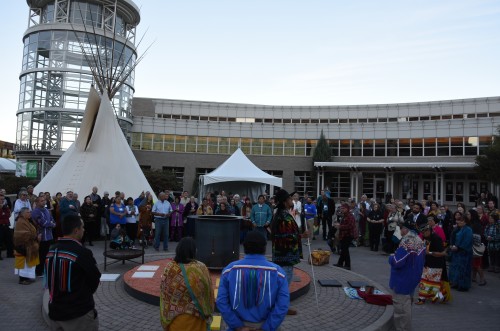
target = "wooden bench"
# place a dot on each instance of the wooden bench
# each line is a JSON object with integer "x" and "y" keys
{"x": 121, "y": 255}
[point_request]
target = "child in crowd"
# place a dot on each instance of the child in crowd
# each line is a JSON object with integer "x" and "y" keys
{"x": 119, "y": 238}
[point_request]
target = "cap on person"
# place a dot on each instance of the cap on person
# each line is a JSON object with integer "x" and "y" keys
{"x": 106, "y": 193}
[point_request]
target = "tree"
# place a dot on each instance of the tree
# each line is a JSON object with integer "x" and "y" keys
{"x": 161, "y": 180}
{"x": 487, "y": 164}
{"x": 12, "y": 184}
{"x": 322, "y": 152}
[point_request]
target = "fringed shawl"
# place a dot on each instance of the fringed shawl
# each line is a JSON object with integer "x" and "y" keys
{"x": 174, "y": 295}
{"x": 25, "y": 241}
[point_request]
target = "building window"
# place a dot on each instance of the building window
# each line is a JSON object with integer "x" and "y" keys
{"x": 430, "y": 147}
{"x": 271, "y": 190}
{"x": 471, "y": 144}
{"x": 340, "y": 185}
{"x": 443, "y": 146}
{"x": 367, "y": 147}
{"x": 303, "y": 182}
{"x": 345, "y": 147}
{"x": 484, "y": 142}
{"x": 416, "y": 147}
{"x": 178, "y": 172}
{"x": 457, "y": 146}
{"x": 379, "y": 147}
{"x": 356, "y": 147}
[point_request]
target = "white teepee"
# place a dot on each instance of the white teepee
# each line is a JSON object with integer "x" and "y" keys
{"x": 100, "y": 157}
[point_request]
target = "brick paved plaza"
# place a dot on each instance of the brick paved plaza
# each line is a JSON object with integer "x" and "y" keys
{"x": 21, "y": 305}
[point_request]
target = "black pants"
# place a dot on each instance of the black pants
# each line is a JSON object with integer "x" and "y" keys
{"x": 389, "y": 244}
{"x": 6, "y": 238}
{"x": 90, "y": 231}
{"x": 42, "y": 253}
{"x": 345, "y": 257}
{"x": 132, "y": 230}
{"x": 375, "y": 232}
{"x": 326, "y": 223}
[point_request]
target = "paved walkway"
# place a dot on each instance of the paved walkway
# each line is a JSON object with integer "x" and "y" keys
{"x": 21, "y": 305}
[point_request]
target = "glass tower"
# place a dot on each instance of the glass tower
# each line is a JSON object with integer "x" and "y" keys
{"x": 55, "y": 78}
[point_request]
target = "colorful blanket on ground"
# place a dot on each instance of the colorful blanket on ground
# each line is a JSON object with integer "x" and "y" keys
{"x": 352, "y": 293}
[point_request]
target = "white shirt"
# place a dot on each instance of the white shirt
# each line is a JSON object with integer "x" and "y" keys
{"x": 129, "y": 217}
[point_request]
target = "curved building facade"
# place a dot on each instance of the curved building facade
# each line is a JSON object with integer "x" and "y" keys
{"x": 56, "y": 77}
{"x": 409, "y": 149}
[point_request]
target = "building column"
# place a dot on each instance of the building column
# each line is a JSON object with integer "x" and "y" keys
{"x": 318, "y": 178}
{"x": 322, "y": 178}
{"x": 436, "y": 189}
{"x": 389, "y": 181}
{"x": 353, "y": 181}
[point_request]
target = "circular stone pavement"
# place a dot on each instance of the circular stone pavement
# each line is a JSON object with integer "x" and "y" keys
{"x": 143, "y": 282}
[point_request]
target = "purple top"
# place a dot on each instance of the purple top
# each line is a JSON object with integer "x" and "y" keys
{"x": 45, "y": 222}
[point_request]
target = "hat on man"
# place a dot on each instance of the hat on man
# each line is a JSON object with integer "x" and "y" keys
{"x": 106, "y": 193}
{"x": 282, "y": 195}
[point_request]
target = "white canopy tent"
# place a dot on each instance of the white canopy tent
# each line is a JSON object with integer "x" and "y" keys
{"x": 100, "y": 157}
{"x": 238, "y": 175}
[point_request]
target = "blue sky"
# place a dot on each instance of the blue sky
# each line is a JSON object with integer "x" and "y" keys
{"x": 328, "y": 52}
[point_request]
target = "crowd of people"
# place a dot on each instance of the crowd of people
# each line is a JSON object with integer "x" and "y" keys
{"x": 451, "y": 246}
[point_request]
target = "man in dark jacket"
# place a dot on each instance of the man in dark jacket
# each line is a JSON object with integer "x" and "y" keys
{"x": 72, "y": 279}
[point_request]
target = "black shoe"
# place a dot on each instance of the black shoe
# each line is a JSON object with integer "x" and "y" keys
{"x": 91, "y": 244}
{"x": 347, "y": 268}
{"x": 337, "y": 265}
{"x": 10, "y": 256}
{"x": 1, "y": 258}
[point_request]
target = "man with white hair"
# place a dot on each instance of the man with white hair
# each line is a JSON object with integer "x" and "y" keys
{"x": 237, "y": 201}
{"x": 161, "y": 212}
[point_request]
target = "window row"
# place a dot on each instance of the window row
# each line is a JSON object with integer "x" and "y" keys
{"x": 67, "y": 49}
{"x": 452, "y": 146}
{"x": 66, "y": 90}
{"x": 448, "y": 146}
{"x": 220, "y": 145}
{"x": 50, "y": 130}
{"x": 324, "y": 120}
{"x": 82, "y": 13}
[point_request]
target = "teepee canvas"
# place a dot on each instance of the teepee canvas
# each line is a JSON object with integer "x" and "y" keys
{"x": 100, "y": 156}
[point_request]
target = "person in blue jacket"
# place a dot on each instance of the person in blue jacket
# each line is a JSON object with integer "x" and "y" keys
{"x": 253, "y": 292}
{"x": 407, "y": 264}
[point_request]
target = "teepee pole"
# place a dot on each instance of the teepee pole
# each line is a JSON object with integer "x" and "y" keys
{"x": 312, "y": 267}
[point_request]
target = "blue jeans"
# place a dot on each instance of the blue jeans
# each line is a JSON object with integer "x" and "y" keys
{"x": 161, "y": 227}
{"x": 288, "y": 269}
